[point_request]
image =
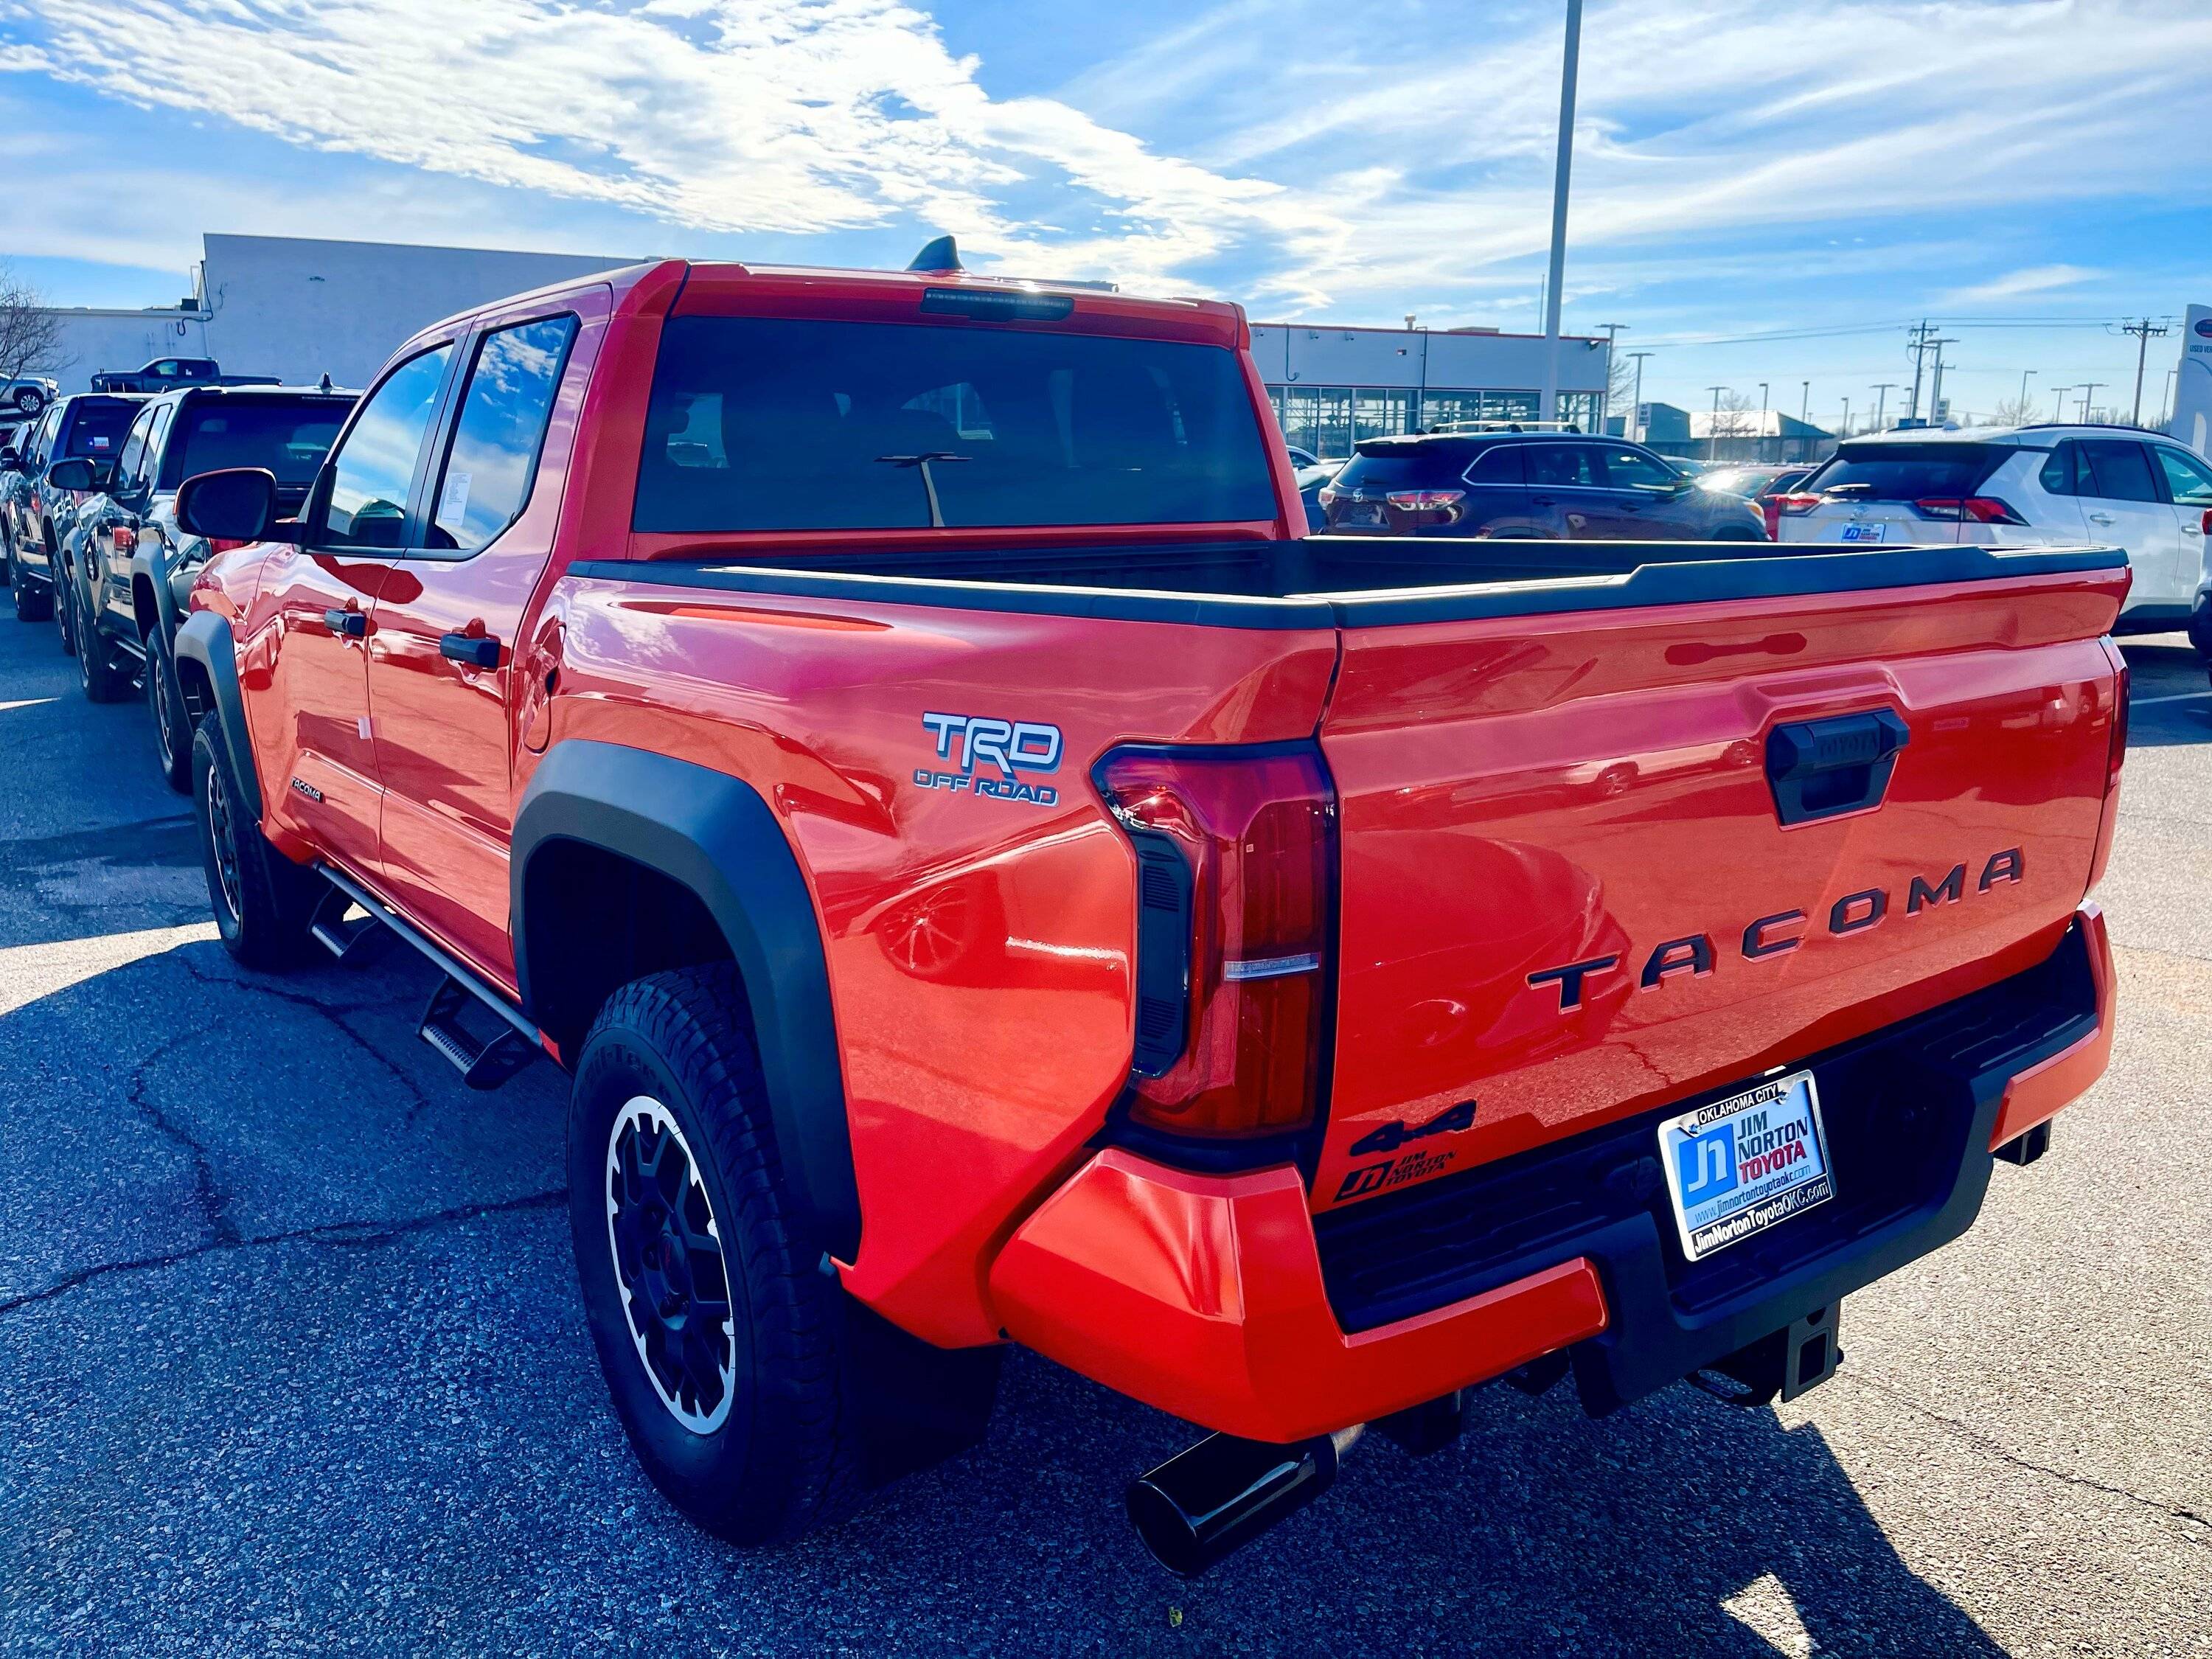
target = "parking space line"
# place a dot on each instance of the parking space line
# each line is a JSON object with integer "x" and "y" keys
{"x": 2177, "y": 696}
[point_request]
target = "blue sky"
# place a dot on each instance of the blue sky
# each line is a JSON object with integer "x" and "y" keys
{"x": 1815, "y": 174}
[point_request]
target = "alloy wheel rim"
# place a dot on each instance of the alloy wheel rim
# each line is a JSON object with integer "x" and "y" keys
{"x": 165, "y": 716}
{"x": 226, "y": 855}
{"x": 671, "y": 1273}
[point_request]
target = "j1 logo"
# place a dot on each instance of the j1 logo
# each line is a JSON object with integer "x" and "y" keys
{"x": 1706, "y": 1163}
{"x": 991, "y": 755}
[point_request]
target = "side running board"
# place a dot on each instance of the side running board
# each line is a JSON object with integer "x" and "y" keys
{"x": 485, "y": 1060}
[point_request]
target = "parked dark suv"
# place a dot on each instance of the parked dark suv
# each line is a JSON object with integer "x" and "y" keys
{"x": 34, "y": 515}
{"x": 1551, "y": 486}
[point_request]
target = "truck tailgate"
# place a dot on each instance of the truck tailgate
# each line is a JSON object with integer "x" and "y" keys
{"x": 1568, "y": 893}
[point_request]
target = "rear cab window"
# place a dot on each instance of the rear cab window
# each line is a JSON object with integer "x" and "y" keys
{"x": 778, "y": 424}
{"x": 287, "y": 435}
{"x": 1908, "y": 472}
{"x": 99, "y": 429}
{"x": 492, "y": 461}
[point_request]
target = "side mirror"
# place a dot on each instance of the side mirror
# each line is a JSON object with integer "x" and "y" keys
{"x": 77, "y": 472}
{"x": 238, "y": 504}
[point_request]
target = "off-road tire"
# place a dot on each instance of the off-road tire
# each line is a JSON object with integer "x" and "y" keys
{"x": 58, "y": 599}
{"x": 97, "y": 672}
{"x": 2200, "y": 629}
{"x": 786, "y": 1454}
{"x": 262, "y": 901}
{"x": 172, "y": 721}
{"x": 31, "y": 605}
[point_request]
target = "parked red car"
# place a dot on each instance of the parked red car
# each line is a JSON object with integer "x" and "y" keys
{"x": 992, "y": 876}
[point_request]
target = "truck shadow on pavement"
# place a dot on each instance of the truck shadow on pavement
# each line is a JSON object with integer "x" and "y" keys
{"x": 340, "y": 1284}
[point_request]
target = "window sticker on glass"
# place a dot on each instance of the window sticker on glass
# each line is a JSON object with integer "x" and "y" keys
{"x": 454, "y": 505}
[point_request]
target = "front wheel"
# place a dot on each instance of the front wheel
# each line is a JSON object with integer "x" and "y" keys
{"x": 262, "y": 901}
{"x": 721, "y": 1337}
{"x": 30, "y": 399}
{"x": 31, "y": 603}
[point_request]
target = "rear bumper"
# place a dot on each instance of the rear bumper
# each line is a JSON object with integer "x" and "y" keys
{"x": 1221, "y": 1299}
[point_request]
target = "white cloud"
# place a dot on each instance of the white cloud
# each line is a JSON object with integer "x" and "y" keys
{"x": 2017, "y": 284}
{"x": 1304, "y": 151}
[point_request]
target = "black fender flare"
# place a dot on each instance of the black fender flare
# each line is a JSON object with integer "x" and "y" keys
{"x": 712, "y": 834}
{"x": 154, "y": 569}
{"x": 205, "y": 639}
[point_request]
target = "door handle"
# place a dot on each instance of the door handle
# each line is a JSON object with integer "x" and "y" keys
{"x": 477, "y": 650}
{"x": 346, "y": 624}
{"x": 2100, "y": 518}
{"x": 1543, "y": 501}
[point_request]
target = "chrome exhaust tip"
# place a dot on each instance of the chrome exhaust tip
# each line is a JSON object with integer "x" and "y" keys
{"x": 1218, "y": 1495}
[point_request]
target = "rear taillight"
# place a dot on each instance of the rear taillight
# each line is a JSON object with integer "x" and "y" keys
{"x": 126, "y": 538}
{"x": 1328, "y": 495}
{"x": 1236, "y": 899}
{"x": 1426, "y": 500}
{"x": 1976, "y": 509}
{"x": 218, "y": 544}
{"x": 2117, "y": 756}
{"x": 1793, "y": 505}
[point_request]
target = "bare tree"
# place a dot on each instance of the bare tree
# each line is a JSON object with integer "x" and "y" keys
{"x": 2013, "y": 412}
{"x": 30, "y": 330}
{"x": 1733, "y": 418}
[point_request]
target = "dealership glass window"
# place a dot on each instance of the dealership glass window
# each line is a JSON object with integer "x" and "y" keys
{"x": 374, "y": 467}
{"x": 493, "y": 460}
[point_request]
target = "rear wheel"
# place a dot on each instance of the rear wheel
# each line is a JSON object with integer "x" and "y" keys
{"x": 64, "y": 614}
{"x": 721, "y": 1336}
{"x": 262, "y": 901}
{"x": 30, "y": 399}
{"x": 97, "y": 671}
{"x": 2200, "y": 629}
{"x": 173, "y": 725}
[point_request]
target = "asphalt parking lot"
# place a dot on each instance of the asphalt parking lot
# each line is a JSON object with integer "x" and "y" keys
{"x": 291, "y": 1360}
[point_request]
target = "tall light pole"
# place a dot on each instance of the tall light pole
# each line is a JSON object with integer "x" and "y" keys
{"x": 1881, "y": 391}
{"x": 1636, "y": 415}
{"x": 1713, "y": 430}
{"x": 1762, "y": 421}
{"x": 1548, "y": 410}
{"x": 2092, "y": 386}
{"x": 2165, "y": 405}
{"x": 2024, "y": 374}
{"x": 1805, "y": 412}
{"x": 2058, "y": 402}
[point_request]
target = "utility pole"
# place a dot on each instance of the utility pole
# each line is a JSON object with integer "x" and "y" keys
{"x": 1882, "y": 400}
{"x": 1636, "y": 415}
{"x": 2144, "y": 331}
{"x": 1548, "y": 409}
{"x": 1935, "y": 343}
{"x": 1605, "y": 397}
{"x": 1918, "y": 336}
{"x": 1713, "y": 431}
{"x": 2094, "y": 386}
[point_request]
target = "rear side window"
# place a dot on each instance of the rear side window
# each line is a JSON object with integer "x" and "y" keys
{"x": 1500, "y": 464}
{"x": 1630, "y": 469}
{"x": 100, "y": 428}
{"x": 493, "y": 460}
{"x": 374, "y": 467}
{"x": 2118, "y": 471}
{"x": 770, "y": 424}
{"x": 1908, "y": 472}
{"x": 1563, "y": 466}
{"x": 287, "y": 435}
{"x": 2062, "y": 473}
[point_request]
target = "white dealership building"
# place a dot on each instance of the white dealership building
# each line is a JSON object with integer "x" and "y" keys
{"x": 300, "y": 308}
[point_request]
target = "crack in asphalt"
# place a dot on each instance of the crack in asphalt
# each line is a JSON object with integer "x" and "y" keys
{"x": 335, "y": 1013}
{"x": 1975, "y": 1438}
{"x": 339, "y": 1234}
{"x": 213, "y": 1202}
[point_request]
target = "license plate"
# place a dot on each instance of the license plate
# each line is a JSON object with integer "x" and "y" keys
{"x": 1740, "y": 1165}
{"x": 1865, "y": 532}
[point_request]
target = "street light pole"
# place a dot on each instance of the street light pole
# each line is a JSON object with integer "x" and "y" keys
{"x": 1713, "y": 430}
{"x": 1805, "y": 410}
{"x": 1881, "y": 392}
{"x": 1605, "y": 397}
{"x": 1636, "y": 415}
{"x": 1846, "y": 432}
{"x": 2094, "y": 386}
{"x": 2024, "y": 374}
{"x": 1548, "y": 410}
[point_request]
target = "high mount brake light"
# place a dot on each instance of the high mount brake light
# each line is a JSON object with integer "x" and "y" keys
{"x": 1980, "y": 509}
{"x": 1237, "y": 902}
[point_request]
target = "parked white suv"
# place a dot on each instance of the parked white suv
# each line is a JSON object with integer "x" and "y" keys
{"x": 2029, "y": 486}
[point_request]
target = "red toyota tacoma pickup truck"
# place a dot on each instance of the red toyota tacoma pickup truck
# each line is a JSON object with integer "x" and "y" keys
{"x": 991, "y": 877}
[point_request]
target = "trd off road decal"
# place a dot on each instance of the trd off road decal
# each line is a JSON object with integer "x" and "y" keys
{"x": 992, "y": 755}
